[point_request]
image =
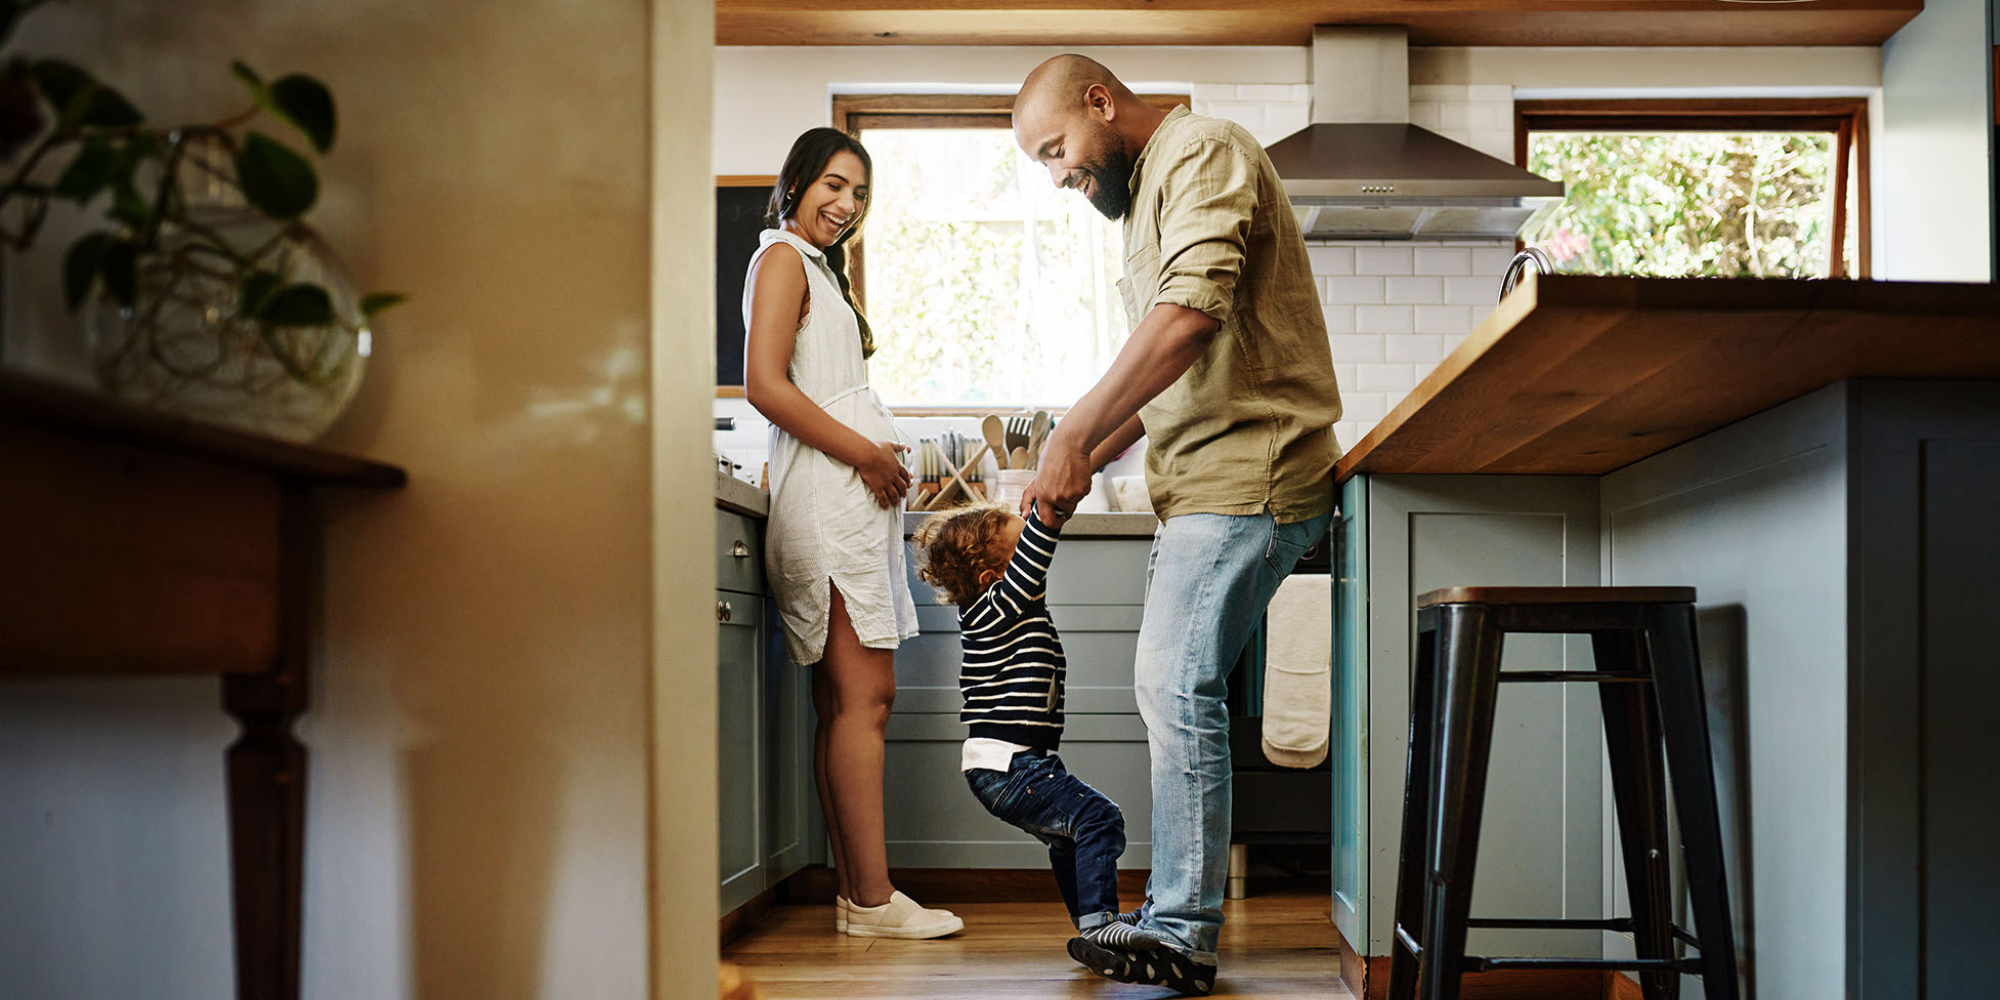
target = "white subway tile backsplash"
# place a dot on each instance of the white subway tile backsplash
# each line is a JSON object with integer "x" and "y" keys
{"x": 1384, "y": 260}
{"x": 1424, "y": 114}
{"x": 1247, "y": 114}
{"x": 1361, "y": 348}
{"x": 1360, "y": 291}
{"x": 1282, "y": 119}
{"x": 1331, "y": 260}
{"x": 1383, "y": 319}
{"x": 1206, "y": 93}
{"x": 1443, "y": 261}
{"x": 1388, "y": 378}
{"x": 1411, "y": 290}
{"x": 1443, "y": 319}
{"x": 1416, "y": 348}
{"x": 1452, "y": 340}
{"x": 1437, "y": 92}
{"x": 1264, "y": 92}
{"x": 1489, "y": 92}
{"x": 1492, "y": 261}
{"x": 1339, "y": 318}
{"x": 1471, "y": 291}
{"x": 1497, "y": 143}
{"x": 1343, "y": 375}
{"x": 1365, "y": 408}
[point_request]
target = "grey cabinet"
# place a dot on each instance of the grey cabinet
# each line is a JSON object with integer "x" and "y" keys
{"x": 1540, "y": 845}
{"x": 763, "y": 728}
{"x": 1097, "y": 593}
{"x": 739, "y": 750}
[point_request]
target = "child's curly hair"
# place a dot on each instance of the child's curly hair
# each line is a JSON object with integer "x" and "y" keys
{"x": 957, "y": 546}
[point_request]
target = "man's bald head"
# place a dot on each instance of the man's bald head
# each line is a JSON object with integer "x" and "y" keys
{"x": 1061, "y": 85}
{"x": 1077, "y": 119}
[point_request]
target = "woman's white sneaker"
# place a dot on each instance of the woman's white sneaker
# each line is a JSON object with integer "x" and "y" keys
{"x": 902, "y": 918}
{"x": 840, "y": 908}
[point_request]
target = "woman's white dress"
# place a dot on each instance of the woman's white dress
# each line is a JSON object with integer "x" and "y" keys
{"x": 825, "y": 526}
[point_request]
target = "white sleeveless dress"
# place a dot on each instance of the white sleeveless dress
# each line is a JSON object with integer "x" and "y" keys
{"x": 825, "y": 526}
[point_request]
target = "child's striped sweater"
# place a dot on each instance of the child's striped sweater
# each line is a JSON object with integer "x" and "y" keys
{"x": 1012, "y": 675}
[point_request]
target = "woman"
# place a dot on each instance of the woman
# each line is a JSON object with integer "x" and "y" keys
{"x": 834, "y": 547}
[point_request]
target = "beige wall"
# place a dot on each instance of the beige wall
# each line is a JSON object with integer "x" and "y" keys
{"x": 480, "y": 736}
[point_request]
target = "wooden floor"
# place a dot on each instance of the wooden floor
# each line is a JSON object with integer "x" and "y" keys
{"x": 1273, "y": 946}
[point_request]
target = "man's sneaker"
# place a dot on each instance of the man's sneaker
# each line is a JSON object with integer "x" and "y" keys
{"x": 901, "y": 917}
{"x": 1160, "y": 967}
{"x": 1118, "y": 935}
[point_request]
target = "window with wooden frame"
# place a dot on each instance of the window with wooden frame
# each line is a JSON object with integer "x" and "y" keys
{"x": 1730, "y": 188}
{"x": 987, "y": 287}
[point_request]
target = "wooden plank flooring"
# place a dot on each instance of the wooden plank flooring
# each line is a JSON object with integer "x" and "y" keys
{"x": 1273, "y": 946}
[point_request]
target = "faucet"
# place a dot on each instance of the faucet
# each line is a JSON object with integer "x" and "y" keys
{"x": 1532, "y": 255}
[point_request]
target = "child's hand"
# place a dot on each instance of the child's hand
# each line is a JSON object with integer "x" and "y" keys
{"x": 885, "y": 475}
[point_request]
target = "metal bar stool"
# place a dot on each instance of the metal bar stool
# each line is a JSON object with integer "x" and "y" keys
{"x": 1649, "y": 679}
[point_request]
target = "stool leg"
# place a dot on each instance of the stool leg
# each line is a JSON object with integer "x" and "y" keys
{"x": 1677, "y": 684}
{"x": 1417, "y": 762}
{"x": 1470, "y": 681}
{"x": 1638, "y": 787}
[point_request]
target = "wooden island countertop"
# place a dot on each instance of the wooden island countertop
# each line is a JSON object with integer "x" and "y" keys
{"x": 1585, "y": 375}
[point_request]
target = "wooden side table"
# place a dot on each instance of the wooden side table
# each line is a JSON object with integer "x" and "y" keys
{"x": 136, "y": 544}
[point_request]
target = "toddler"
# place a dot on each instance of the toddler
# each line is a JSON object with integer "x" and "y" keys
{"x": 994, "y": 565}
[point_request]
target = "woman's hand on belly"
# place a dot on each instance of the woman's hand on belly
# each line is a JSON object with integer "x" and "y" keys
{"x": 887, "y": 479}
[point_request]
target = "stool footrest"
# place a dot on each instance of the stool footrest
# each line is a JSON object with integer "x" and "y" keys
{"x": 1571, "y": 676}
{"x": 1476, "y": 963}
{"x": 1553, "y": 923}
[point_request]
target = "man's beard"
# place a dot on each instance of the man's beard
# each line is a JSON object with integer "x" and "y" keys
{"x": 1111, "y": 183}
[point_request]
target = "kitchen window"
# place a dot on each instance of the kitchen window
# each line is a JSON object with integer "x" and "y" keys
{"x": 986, "y": 286}
{"x": 1722, "y": 188}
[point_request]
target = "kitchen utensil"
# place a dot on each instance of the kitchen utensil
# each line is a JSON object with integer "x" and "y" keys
{"x": 996, "y": 437}
{"x": 1019, "y": 460}
{"x": 1017, "y": 437}
{"x": 1038, "y": 433}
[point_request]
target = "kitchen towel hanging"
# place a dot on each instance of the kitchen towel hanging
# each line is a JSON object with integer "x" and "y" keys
{"x": 1298, "y": 671}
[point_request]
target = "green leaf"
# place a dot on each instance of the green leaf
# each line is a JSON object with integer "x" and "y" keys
{"x": 89, "y": 172}
{"x": 308, "y": 105}
{"x": 120, "y": 268}
{"x": 249, "y": 77}
{"x": 377, "y": 301}
{"x": 298, "y": 305}
{"x": 278, "y": 181}
{"x": 80, "y": 266}
{"x": 80, "y": 100}
{"x": 61, "y": 82}
{"x": 255, "y": 294}
{"x": 128, "y": 206}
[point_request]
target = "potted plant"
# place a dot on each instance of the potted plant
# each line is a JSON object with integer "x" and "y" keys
{"x": 204, "y": 291}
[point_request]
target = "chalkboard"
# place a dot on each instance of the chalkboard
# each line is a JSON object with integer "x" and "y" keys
{"x": 739, "y": 218}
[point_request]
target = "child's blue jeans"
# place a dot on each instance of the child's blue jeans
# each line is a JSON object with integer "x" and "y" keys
{"x": 1085, "y": 831}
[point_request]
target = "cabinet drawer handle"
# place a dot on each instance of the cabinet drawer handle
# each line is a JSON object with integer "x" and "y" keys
{"x": 740, "y": 550}
{"x": 722, "y": 611}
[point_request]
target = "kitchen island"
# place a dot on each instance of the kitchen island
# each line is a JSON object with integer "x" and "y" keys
{"x": 1821, "y": 460}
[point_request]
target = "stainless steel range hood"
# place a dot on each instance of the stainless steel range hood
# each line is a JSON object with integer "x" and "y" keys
{"x": 1362, "y": 171}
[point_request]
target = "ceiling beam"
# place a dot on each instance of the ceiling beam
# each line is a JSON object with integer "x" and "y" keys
{"x": 1290, "y": 22}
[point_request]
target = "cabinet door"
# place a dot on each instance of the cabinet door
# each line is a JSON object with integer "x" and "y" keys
{"x": 788, "y": 721}
{"x": 1349, "y": 538}
{"x": 739, "y": 762}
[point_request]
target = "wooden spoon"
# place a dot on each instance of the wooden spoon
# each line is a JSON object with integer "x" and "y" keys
{"x": 996, "y": 438}
{"x": 1019, "y": 459}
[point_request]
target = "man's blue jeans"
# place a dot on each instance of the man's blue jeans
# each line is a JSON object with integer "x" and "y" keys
{"x": 1084, "y": 830}
{"x": 1211, "y": 578}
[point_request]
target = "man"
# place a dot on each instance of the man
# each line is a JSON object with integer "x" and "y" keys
{"x": 1229, "y": 375}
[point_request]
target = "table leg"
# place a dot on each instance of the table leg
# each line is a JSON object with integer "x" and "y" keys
{"x": 267, "y": 781}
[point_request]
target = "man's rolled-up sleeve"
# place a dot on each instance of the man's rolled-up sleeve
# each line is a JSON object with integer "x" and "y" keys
{"x": 1210, "y": 193}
